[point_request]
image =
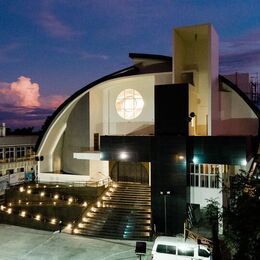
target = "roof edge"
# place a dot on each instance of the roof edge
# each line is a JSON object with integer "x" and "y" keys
{"x": 150, "y": 56}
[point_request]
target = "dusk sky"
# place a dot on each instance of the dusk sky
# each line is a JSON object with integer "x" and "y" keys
{"x": 51, "y": 48}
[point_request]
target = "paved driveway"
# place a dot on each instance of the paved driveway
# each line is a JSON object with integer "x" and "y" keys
{"x": 24, "y": 243}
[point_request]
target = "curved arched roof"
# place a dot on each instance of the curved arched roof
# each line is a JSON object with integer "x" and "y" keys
{"x": 249, "y": 102}
{"x": 129, "y": 71}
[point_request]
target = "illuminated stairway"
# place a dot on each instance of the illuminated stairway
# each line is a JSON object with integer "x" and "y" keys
{"x": 124, "y": 212}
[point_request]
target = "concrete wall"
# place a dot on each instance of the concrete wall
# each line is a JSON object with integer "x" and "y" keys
{"x": 76, "y": 137}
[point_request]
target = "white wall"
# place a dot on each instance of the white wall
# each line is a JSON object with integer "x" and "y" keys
{"x": 98, "y": 169}
{"x": 113, "y": 124}
{"x": 200, "y": 195}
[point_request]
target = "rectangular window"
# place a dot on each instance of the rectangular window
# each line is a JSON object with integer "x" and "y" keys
{"x": 197, "y": 180}
{"x": 206, "y": 168}
{"x": 166, "y": 249}
{"x": 9, "y": 153}
{"x": 18, "y": 152}
{"x": 191, "y": 168}
{"x": 1, "y": 153}
{"x": 28, "y": 151}
{"x": 186, "y": 252}
{"x": 22, "y": 152}
{"x": 196, "y": 168}
{"x": 192, "y": 182}
{"x": 214, "y": 181}
{"x": 204, "y": 181}
{"x": 10, "y": 171}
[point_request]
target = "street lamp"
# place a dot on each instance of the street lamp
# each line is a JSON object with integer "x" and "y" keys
{"x": 165, "y": 194}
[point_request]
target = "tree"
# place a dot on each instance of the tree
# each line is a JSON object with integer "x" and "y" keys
{"x": 242, "y": 228}
{"x": 213, "y": 216}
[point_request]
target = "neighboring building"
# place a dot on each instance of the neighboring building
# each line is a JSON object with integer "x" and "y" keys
{"x": 17, "y": 158}
{"x": 173, "y": 123}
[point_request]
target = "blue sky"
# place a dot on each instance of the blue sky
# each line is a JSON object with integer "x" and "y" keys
{"x": 55, "y": 47}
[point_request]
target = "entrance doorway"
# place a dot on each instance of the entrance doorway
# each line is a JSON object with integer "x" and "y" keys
{"x": 130, "y": 172}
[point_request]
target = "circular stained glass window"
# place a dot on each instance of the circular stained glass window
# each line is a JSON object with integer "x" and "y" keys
{"x": 129, "y": 104}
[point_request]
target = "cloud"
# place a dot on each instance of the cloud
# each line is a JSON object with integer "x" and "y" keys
{"x": 85, "y": 55}
{"x": 52, "y": 102}
{"x": 242, "y": 54}
{"x": 82, "y": 54}
{"x": 22, "y": 105}
{"x": 22, "y": 92}
{"x": 54, "y": 26}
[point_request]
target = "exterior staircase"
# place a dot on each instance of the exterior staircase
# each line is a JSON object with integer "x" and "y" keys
{"x": 122, "y": 212}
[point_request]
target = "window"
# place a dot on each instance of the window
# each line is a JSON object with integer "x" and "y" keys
{"x": 10, "y": 171}
{"x": 1, "y": 153}
{"x": 214, "y": 181}
{"x": 29, "y": 151}
{"x": 204, "y": 180}
{"x": 129, "y": 104}
{"x": 203, "y": 252}
{"x": 196, "y": 168}
{"x": 186, "y": 251}
{"x": 166, "y": 249}
{"x": 197, "y": 180}
{"x": 9, "y": 153}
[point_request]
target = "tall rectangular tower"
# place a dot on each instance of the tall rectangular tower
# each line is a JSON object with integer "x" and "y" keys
{"x": 196, "y": 61}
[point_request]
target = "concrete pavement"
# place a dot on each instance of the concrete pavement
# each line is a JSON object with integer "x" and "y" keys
{"x": 24, "y": 243}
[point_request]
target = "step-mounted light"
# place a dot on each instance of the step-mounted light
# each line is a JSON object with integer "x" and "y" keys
{"x": 75, "y": 231}
{"x": 69, "y": 226}
{"x": 23, "y": 214}
{"x": 80, "y": 225}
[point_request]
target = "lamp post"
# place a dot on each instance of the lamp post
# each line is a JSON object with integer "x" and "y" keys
{"x": 165, "y": 194}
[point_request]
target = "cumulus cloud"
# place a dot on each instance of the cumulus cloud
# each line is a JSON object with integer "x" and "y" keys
{"x": 22, "y": 92}
{"x": 22, "y": 105}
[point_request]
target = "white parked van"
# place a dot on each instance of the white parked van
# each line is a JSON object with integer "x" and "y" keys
{"x": 176, "y": 248}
